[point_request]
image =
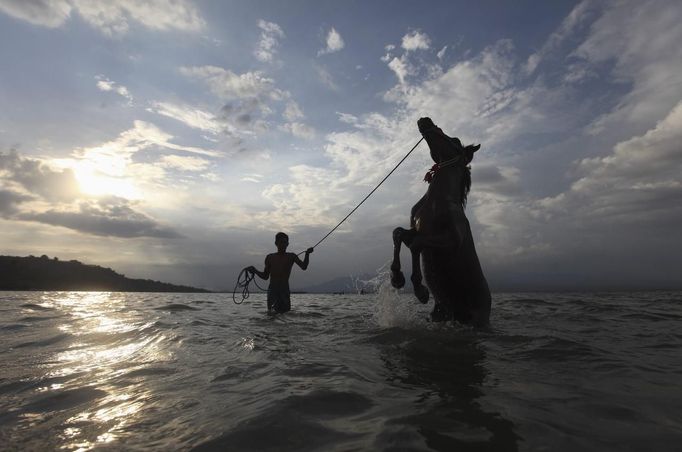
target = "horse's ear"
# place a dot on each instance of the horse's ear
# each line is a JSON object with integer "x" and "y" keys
{"x": 469, "y": 151}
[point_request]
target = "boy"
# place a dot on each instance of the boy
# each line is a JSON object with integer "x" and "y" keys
{"x": 278, "y": 265}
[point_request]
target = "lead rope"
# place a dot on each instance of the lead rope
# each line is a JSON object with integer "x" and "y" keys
{"x": 245, "y": 277}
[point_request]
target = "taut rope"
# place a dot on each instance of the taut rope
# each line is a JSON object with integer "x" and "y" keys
{"x": 370, "y": 193}
{"x": 245, "y": 277}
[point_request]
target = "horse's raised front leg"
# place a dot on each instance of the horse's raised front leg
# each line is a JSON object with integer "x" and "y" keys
{"x": 401, "y": 236}
{"x": 397, "y": 277}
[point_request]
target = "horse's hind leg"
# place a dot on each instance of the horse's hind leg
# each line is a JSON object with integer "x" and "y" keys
{"x": 421, "y": 292}
{"x": 397, "y": 277}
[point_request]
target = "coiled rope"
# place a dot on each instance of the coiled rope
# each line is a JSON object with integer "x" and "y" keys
{"x": 245, "y": 277}
{"x": 243, "y": 280}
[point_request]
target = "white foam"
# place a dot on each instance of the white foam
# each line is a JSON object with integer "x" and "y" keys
{"x": 392, "y": 308}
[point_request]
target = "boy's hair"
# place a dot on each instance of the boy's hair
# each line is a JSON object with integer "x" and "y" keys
{"x": 281, "y": 236}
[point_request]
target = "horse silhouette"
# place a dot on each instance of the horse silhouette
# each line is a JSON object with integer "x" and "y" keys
{"x": 440, "y": 233}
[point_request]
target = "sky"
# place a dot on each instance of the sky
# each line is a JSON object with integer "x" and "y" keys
{"x": 171, "y": 139}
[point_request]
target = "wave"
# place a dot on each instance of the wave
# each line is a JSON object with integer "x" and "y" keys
{"x": 48, "y": 341}
{"x": 62, "y": 400}
{"x": 170, "y": 371}
{"x": 174, "y": 307}
{"x": 37, "y": 307}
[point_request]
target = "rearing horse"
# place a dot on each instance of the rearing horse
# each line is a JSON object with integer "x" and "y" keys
{"x": 440, "y": 233}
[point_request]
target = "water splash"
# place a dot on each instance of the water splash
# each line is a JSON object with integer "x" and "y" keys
{"x": 393, "y": 309}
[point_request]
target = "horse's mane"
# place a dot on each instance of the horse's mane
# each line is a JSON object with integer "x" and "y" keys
{"x": 466, "y": 174}
{"x": 466, "y": 185}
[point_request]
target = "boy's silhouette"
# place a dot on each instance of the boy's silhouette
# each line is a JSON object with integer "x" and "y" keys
{"x": 278, "y": 268}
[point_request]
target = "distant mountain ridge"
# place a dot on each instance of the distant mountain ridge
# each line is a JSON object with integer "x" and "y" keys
{"x": 43, "y": 273}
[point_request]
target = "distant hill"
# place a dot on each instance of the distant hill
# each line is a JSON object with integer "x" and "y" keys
{"x": 43, "y": 273}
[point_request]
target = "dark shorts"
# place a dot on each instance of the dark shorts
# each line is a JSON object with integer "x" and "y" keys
{"x": 279, "y": 299}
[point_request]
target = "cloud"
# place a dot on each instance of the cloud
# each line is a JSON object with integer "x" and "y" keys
{"x": 10, "y": 200}
{"x": 302, "y": 202}
{"x": 188, "y": 115}
{"x": 479, "y": 90}
{"x": 415, "y": 40}
{"x": 104, "y": 84}
{"x": 326, "y": 78}
{"x": 229, "y": 86}
{"x": 252, "y": 177}
{"x": 400, "y": 67}
{"x": 347, "y": 118}
{"x": 111, "y": 217}
{"x": 112, "y": 18}
{"x": 42, "y": 193}
{"x": 46, "y": 13}
{"x": 37, "y": 178}
{"x": 622, "y": 38}
{"x": 316, "y": 196}
{"x": 293, "y": 111}
{"x": 250, "y": 98}
{"x": 626, "y": 203}
{"x": 129, "y": 166}
{"x": 334, "y": 43}
{"x": 299, "y": 130}
{"x": 638, "y": 182}
{"x": 575, "y": 19}
{"x": 293, "y": 114}
{"x": 267, "y": 46}
{"x": 184, "y": 163}
{"x": 145, "y": 134}
{"x": 495, "y": 179}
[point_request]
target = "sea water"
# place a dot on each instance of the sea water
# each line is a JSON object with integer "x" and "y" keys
{"x": 121, "y": 371}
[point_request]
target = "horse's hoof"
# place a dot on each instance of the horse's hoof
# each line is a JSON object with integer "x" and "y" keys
{"x": 397, "y": 279}
{"x": 422, "y": 294}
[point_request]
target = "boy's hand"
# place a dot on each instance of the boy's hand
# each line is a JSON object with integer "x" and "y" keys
{"x": 309, "y": 250}
{"x": 250, "y": 269}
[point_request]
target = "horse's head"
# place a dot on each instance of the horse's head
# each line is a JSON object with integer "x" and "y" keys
{"x": 425, "y": 124}
{"x": 443, "y": 147}
{"x": 449, "y": 149}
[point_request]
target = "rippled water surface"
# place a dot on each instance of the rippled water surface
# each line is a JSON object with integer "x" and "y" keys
{"x": 357, "y": 372}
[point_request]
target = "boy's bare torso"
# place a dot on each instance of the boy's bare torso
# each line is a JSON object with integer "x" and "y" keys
{"x": 279, "y": 265}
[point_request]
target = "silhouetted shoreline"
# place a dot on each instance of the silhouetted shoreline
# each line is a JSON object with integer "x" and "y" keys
{"x": 44, "y": 273}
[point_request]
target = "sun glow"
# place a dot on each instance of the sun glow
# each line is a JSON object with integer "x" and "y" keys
{"x": 111, "y": 342}
{"x": 104, "y": 175}
{"x": 92, "y": 182}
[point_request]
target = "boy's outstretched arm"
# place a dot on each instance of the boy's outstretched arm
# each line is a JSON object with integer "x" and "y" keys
{"x": 265, "y": 274}
{"x": 306, "y": 259}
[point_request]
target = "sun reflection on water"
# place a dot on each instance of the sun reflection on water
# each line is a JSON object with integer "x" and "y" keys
{"x": 112, "y": 339}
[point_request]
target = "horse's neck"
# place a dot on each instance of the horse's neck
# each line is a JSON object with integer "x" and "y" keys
{"x": 446, "y": 185}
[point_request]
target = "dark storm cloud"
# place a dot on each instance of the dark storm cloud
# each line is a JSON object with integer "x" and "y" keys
{"x": 113, "y": 218}
{"x": 638, "y": 183}
{"x": 37, "y": 178}
{"x": 9, "y": 200}
{"x": 67, "y": 206}
{"x": 492, "y": 178}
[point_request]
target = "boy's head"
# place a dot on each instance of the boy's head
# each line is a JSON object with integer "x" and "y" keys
{"x": 281, "y": 241}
